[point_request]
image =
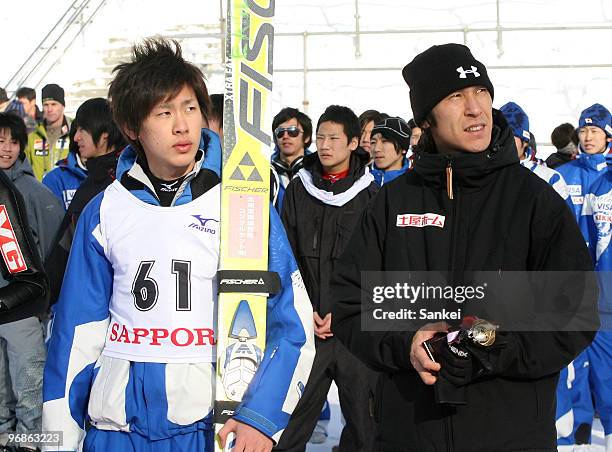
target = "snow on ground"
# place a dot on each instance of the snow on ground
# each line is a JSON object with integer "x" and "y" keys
{"x": 335, "y": 427}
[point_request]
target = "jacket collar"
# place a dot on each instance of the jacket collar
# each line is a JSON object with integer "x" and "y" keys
{"x": 470, "y": 171}
{"x": 282, "y": 166}
{"x": 331, "y": 198}
{"x": 131, "y": 171}
{"x": 594, "y": 162}
{"x": 357, "y": 168}
{"x": 21, "y": 167}
{"x": 73, "y": 164}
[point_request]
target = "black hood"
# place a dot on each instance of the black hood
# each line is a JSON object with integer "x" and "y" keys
{"x": 470, "y": 170}
{"x": 357, "y": 164}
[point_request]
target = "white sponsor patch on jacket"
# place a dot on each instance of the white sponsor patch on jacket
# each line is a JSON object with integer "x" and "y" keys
{"x": 420, "y": 220}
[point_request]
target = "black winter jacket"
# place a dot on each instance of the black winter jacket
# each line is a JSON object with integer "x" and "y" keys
{"x": 318, "y": 232}
{"x": 502, "y": 218}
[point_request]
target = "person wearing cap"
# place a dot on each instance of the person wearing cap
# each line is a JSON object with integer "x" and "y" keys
{"x": 322, "y": 205}
{"x": 389, "y": 144}
{"x": 596, "y": 224}
{"x": 595, "y": 137}
{"x": 590, "y": 179}
{"x": 519, "y": 123}
{"x": 462, "y": 208}
{"x": 49, "y": 142}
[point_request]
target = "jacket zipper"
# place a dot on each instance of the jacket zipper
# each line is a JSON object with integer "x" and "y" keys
{"x": 448, "y": 429}
{"x": 449, "y": 178}
{"x": 315, "y": 239}
{"x": 448, "y": 424}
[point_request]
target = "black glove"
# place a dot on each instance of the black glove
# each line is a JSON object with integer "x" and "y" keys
{"x": 457, "y": 364}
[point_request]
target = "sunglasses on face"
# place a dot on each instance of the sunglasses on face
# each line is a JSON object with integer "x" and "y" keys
{"x": 293, "y": 131}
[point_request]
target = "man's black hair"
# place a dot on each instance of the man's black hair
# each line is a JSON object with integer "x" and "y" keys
{"x": 395, "y": 144}
{"x": 344, "y": 116}
{"x": 562, "y": 135}
{"x": 14, "y": 123}
{"x": 73, "y": 146}
{"x": 216, "y": 110}
{"x": 156, "y": 72}
{"x": 28, "y": 93}
{"x": 426, "y": 142}
{"x": 95, "y": 116}
{"x": 303, "y": 120}
{"x": 371, "y": 115}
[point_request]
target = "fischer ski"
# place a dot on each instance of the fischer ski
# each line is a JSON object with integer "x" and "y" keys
{"x": 243, "y": 278}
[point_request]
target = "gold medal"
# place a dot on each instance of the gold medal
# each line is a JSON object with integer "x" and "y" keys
{"x": 482, "y": 333}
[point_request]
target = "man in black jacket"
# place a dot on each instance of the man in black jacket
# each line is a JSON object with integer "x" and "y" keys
{"x": 321, "y": 208}
{"x": 467, "y": 206}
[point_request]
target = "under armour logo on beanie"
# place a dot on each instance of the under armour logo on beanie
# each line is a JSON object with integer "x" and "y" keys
{"x": 463, "y": 73}
{"x": 438, "y": 71}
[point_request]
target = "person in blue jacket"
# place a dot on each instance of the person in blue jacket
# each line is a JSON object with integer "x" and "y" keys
{"x": 68, "y": 174}
{"x": 389, "y": 144}
{"x": 519, "y": 123}
{"x": 132, "y": 353}
{"x": 595, "y": 135}
{"x": 93, "y": 134}
{"x": 596, "y": 223}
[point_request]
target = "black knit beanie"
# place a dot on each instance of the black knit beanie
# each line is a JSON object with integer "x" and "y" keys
{"x": 53, "y": 92}
{"x": 439, "y": 71}
{"x": 394, "y": 128}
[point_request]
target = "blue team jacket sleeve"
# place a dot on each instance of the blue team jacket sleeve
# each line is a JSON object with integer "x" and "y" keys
{"x": 79, "y": 331}
{"x": 52, "y": 182}
{"x": 284, "y": 370}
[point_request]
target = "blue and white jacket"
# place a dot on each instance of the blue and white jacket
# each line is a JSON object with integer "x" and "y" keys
{"x": 580, "y": 173}
{"x": 382, "y": 177}
{"x": 66, "y": 178}
{"x": 596, "y": 225}
{"x": 159, "y": 400}
{"x": 554, "y": 179}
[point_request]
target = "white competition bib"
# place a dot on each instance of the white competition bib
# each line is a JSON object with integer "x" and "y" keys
{"x": 164, "y": 263}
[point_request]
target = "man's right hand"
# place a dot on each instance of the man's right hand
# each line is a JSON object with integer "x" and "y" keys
{"x": 426, "y": 368}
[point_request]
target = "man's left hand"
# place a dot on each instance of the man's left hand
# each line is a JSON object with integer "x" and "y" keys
{"x": 248, "y": 439}
{"x": 323, "y": 325}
